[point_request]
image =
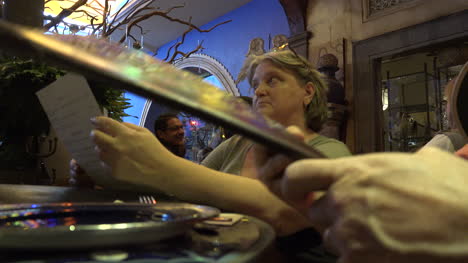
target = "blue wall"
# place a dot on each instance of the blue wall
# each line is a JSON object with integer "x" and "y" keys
{"x": 229, "y": 43}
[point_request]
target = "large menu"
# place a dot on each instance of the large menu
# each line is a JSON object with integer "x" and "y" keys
{"x": 141, "y": 73}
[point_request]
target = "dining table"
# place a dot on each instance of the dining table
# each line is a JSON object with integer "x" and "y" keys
{"x": 249, "y": 239}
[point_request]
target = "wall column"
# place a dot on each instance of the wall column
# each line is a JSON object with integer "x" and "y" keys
{"x": 296, "y": 13}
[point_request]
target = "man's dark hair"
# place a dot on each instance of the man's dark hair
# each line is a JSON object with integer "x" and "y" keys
{"x": 160, "y": 123}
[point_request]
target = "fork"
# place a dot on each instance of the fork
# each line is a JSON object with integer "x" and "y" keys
{"x": 147, "y": 199}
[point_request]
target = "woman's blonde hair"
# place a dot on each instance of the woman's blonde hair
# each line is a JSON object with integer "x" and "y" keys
{"x": 315, "y": 112}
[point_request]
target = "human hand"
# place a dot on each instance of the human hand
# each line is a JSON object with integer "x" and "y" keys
{"x": 388, "y": 207}
{"x": 130, "y": 151}
{"x": 78, "y": 176}
{"x": 271, "y": 165}
{"x": 463, "y": 152}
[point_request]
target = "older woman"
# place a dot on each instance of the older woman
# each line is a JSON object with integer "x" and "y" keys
{"x": 287, "y": 90}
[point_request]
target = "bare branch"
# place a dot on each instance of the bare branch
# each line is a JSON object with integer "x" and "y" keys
{"x": 131, "y": 16}
{"x": 104, "y": 15}
{"x": 165, "y": 15}
{"x": 184, "y": 55}
{"x": 140, "y": 27}
{"x": 132, "y": 37}
{"x": 84, "y": 12}
{"x": 177, "y": 45}
{"x": 63, "y": 14}
{"x": 137, "y": 13}
{"x": 118, "y": 12}
{"x": 176, "y": 48}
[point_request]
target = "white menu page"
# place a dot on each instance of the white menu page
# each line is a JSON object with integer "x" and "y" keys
{"x": 70, "y": 104}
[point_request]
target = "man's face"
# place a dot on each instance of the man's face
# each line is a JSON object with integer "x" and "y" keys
{"x": 174, "y": 133}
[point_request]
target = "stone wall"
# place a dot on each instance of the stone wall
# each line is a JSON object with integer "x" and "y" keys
{"x": 336, "y": 24}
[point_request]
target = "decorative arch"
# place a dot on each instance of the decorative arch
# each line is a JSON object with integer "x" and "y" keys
{"x": 213, "y": 66}
{"x": 208, "y": 63}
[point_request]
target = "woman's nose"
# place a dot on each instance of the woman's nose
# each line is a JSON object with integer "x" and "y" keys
{"x": 261, "y": 90}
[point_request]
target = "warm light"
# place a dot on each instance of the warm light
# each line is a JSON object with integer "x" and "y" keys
{"x": 93, "y": 7}
{"x": 194, "y": 123}
{"x": 104, "y": 227}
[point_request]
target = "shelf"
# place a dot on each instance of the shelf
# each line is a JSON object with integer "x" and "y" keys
{"x": 412, "y": 108}
{"x": 410, "y": 76}
{"x": 415, "y": 138}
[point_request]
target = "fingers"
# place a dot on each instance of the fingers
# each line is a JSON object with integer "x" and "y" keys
{"x": 312, "y": 175}
{"x": 108, "y": 125}
{"x": 334, "y": 240}
{"x": 75, "y": 170}
{"x": 307, "y": 176}
{"x": 463, "y": 152}
{"x": 108, "y": 158}
{"x": 78, "y": 176}
{"x": 320, "y": 213}
{"x": 132, "y": 126}
{"x": 330, "y": 241}
{"x": 271, "y": 171}
{"x": 102, "y": 140}
{"x": 74, "y": 166}
{"x": 271, "y": 165}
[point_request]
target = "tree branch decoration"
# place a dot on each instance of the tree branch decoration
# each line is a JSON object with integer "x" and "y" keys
{"x": 103, "y": 22}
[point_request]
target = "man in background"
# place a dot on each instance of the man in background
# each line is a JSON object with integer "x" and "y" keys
{"x": 170, "y": 132}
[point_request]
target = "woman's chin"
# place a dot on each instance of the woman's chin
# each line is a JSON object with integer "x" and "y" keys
{"x": 265, "y": 111}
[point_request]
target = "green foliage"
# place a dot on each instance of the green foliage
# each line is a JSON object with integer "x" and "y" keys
{"x": 21, "y": 114}
{"x": 20, "y": 111}
{"x": 110, "y": 98}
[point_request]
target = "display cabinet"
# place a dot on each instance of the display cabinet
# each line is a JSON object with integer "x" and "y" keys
{"x": 410, "y": 109}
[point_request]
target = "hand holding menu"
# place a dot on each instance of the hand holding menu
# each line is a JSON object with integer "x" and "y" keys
{"x": 69, "y": 104}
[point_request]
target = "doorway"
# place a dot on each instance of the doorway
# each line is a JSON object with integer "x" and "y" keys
{"x": 370, "y": 58}
{"x": 413, "y": 93}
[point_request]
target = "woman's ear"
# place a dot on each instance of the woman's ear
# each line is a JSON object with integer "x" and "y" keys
{"x": 310, "y": 92}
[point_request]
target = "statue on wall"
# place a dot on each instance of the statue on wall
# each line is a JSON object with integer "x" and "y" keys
{"x": 256, "y": 47}
{"x": 280, "y": 41}
{"x": 337, "y": 105}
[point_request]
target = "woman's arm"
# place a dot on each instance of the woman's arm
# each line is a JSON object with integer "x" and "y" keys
{"x": 136, "y": 156}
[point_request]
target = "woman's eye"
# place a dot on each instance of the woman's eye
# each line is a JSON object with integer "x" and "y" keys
{"x": 254, "y": 86}
{"x": 272, "y": 81}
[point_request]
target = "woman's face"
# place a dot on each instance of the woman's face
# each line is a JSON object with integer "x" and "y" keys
{"x": 279, "y": 95}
